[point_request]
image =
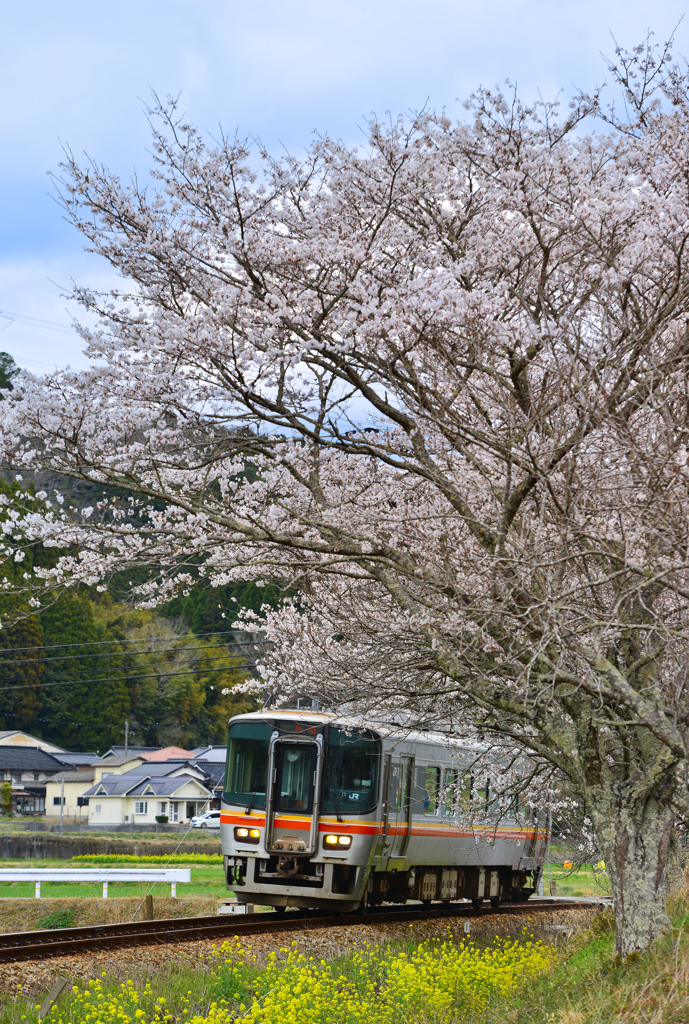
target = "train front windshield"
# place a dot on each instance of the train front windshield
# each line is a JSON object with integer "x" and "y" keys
{"x": 350, "y": 784}
{"x": 247, "y": 764}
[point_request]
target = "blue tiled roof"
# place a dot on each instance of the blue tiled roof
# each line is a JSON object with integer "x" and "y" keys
{"x": 127, "y": 785}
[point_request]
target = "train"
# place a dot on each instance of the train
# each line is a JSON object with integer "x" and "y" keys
{"x": 334, "y": 813}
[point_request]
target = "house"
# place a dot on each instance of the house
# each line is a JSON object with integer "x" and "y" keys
{"x": 77, "y": 781}
{"x": 137, "y": 799}
{"x": 19, "y": 738}
{"x": 65, "y": 792}
{"x": 27, "y": 769}
{"x": 214, "y": 780}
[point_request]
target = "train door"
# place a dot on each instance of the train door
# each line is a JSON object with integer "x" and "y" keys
{"x": 399, "y": 828}
{"x": 294, "y": 772}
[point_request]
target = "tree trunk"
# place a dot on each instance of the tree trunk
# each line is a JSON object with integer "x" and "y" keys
{"x": 635, "y": 842}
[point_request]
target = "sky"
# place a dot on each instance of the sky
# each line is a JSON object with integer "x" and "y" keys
{"x": 79, "y": 75}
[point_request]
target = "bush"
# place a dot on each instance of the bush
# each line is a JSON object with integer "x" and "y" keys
{"x": 162, "y": 819}
{"x": 6, "y": 798}
{"x": 58, "y": 919}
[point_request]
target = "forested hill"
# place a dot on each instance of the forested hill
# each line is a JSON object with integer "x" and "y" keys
{"x": 73, "y": 672}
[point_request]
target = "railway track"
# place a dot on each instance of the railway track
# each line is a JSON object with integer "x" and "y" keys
{"x": 39, "y": 945}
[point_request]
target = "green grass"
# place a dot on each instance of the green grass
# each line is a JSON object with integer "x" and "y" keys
{"x": 580, "y": 881}
{"x": 206, "y": 880}
{"x": 64, "y": 918}
{"x": 591, "y": 986}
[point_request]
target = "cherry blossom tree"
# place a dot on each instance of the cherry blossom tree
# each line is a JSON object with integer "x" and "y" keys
{"x": 437, "y": 384}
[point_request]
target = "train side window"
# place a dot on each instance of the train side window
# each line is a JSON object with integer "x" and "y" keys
{"x": 450, "y": 791}
{"x": 393, "y": 788}
{"x": 431, "y": 791}
{"x": 464, "y": 801}
{"x": 483, "y": 797}
{"x": 403, "y": 788}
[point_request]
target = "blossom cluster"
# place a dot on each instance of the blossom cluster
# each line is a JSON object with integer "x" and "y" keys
{"x": 445, "y": 983}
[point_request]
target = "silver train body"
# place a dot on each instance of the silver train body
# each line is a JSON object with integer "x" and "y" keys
{"x": 330, "y": 813}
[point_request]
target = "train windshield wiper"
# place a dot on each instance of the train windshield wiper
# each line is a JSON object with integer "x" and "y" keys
{"x": 338, "y": 812}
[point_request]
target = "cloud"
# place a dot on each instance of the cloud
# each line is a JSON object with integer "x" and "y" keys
{"x": 78, "y": 73}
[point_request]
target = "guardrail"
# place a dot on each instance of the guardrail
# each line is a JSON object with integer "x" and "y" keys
{"x": 103, "y": 875}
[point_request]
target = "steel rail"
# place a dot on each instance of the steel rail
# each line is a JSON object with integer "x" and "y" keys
{"x": 39, "y": 945}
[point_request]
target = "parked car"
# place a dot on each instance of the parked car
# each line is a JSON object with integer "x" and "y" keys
{"x": 211, "y": 819}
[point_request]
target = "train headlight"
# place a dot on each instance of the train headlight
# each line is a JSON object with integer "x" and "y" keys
{"x": 247, "y": 835}
{"x": 341, "y": 842}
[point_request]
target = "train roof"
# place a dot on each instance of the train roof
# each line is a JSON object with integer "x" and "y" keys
{"x": 384, "y": 729}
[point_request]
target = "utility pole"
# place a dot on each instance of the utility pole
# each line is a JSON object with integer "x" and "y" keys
{"x": 126, "y": 737}
{"x": 62, "y": 801}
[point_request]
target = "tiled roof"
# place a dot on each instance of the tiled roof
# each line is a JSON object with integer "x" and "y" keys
{"x": 156, "y": 768}
{"x": 78, "y": 757}
{"x": 164, "y": 787}
{"x": 31, "y": 759}
{"x": 166, "y": 752}
{"x": 121, "y": 785}
{"x": 83, "y": 776}
{"x": 213, "y": 770}
{"x": 132, "y": 751}
{"x": 113, "y": 785}
{"x": 214, "y": 754}
{"x": 114, "y": 761}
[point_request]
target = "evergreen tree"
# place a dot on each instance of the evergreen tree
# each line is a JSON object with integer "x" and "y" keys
{"x": 213, "y": 609}
{"x": 22, "y": 664}
{"x": 8, "y": 370}
{"x": 86, "y": 700}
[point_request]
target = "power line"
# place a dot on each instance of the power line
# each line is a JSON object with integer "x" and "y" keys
{"x": 34, "y": 321}
{"x": 126, "y": 672}
{"x": 110, "y": 654}
{"x": 100, "y": 643}
{"x": 109, "y": 679}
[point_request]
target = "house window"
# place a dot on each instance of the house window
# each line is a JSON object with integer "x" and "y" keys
{"x": 162, "y": 807}
{"x": 58, "y": 801}
{"x": 16, "y": 779}
{"x": 141, "y": 807}
{"x": 96, "y": 809}
{"x": 37, "y": 776}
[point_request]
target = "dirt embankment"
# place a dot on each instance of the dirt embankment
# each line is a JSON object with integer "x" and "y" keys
{"x": 24, "y": 915}
{"x": 44, "y": 846}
